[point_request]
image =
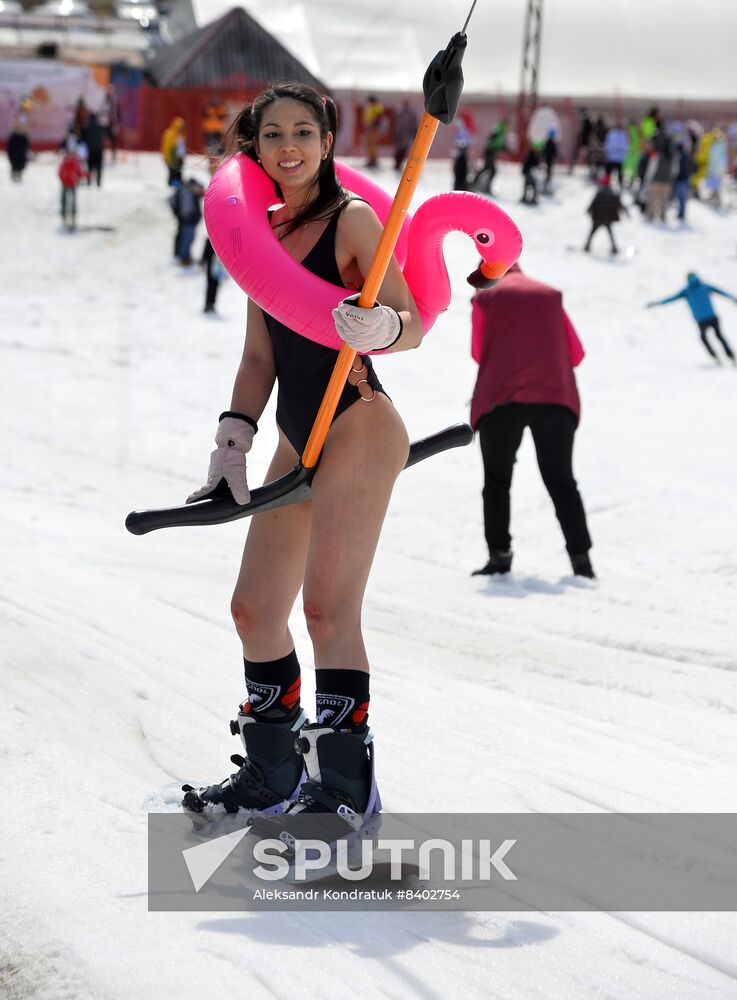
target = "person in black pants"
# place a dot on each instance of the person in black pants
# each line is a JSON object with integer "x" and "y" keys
{"x": 526, "y": 349}
{"x": 17, "y": 148}
{"x": 712, "y": 323}
{"x": 500, "y": 434}
{"x": 94, "y": 138}
{"x": 213, "y": 271}
{"x": 529, "y": 167}
{"x": 550, "y": 155}
{"x": 604, "y": 211}
{"x": 494, "y": 146}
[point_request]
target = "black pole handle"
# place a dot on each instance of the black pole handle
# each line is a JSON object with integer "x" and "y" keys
{"x": 292, "y": 488}
{"x": 443, "y": 82}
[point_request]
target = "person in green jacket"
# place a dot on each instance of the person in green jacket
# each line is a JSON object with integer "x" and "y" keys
{"x": 650, "y": 124}
{"x": 494, "y": 146}
{"x": 629, "y": 164}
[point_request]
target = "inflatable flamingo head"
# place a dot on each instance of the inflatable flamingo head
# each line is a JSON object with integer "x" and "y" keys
{"x": 499, "y": 244}
{"x": 496, "y": 239}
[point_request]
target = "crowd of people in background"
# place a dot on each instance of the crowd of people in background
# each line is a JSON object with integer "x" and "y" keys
{"x": 187, "y": 195}
{"x": 654, "y": 164}
{"x": 650, "y": 163}
{"x": 659, "y": 161}
{"x": 82, "y": 152}
{"x": 89, "y": 132}
{"x": 81, "y": 149}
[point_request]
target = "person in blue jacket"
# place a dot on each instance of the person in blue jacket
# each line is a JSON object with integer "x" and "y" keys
{"x": 698, "y": 296}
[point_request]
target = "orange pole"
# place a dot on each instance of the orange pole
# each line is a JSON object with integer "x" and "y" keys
{"x": 382, "y": 256}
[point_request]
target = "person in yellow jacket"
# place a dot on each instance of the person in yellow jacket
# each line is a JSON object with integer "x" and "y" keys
{"x": 372, "y": 115}
{"x": 213, "y": 126}
{"x": 173, "y": 149}
{"x": 701, "y": 157}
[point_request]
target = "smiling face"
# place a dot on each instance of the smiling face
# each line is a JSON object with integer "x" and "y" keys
{"x": 290, "y": 145}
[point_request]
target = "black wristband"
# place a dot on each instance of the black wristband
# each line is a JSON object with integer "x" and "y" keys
{"x": 239, "y": 416}
{"x": 401, "y": 331}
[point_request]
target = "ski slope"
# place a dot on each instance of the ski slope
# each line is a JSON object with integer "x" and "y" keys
{"x": 120, "y": 668}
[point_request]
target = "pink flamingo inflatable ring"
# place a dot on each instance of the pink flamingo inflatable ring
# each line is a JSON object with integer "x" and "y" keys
{"x": 236, "y": 215}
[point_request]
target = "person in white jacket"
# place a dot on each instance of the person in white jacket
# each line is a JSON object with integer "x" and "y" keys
{"x": 716, "y": 167}
{"x": 616, "y": 148}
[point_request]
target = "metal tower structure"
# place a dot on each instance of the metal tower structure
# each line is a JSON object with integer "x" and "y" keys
{"x": 527, "y": 99}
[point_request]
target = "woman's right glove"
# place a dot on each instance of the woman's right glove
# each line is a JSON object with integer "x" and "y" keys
{"x": 364, "y": 330}
{"x": 234, "y": 438}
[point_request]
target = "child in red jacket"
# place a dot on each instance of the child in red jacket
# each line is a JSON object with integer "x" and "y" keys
{"x": 71, "y": 172}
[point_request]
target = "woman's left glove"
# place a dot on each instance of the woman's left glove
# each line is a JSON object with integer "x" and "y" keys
{"x": 366, "y": 330}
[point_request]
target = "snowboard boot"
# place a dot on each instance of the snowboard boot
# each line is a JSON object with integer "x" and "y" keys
{"x": 582, "y": 565}
{"x": 340, "y": 789}
{"x": 499, "y": 562}
{"x": 268, "y": 777}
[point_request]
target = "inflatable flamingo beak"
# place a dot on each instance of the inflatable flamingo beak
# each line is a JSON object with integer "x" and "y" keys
{"x": 488, "y": 274}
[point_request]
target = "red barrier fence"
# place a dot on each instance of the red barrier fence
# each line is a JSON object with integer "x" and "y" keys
{"x": 147, "y": 111}
{"x": 159, "y": 106}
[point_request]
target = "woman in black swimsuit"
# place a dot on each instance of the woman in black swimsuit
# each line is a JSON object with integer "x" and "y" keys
{"x": 324, "y": 546}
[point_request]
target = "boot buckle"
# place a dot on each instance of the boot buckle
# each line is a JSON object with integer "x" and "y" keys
{"x": 349, "y": 815}
{"x": 286, "y": 838}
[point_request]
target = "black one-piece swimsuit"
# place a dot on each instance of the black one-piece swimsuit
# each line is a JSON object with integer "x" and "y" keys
{"x": 303, "y": 368}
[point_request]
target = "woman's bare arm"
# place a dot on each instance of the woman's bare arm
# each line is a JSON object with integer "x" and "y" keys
{"x": 256, "y": 371}
{"x": 359, "y": 231}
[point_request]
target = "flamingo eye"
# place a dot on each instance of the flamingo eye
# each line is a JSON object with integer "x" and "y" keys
{"x": 484, "y": 236}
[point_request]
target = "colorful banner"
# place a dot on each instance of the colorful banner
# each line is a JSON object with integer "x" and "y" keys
{"x": 53, "y": 90}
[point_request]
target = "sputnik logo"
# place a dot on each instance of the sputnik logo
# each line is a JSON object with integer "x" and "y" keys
{"x": 204, "y": 860}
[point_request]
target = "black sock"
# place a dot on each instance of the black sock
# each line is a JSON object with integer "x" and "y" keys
{"x": 342, "y": 698}
{"x": 273, "y": 689}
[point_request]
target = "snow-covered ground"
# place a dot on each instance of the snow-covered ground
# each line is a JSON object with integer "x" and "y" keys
{"x": 120, "y": 667}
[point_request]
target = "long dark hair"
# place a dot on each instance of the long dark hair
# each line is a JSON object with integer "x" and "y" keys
{"x": 331, "y": 196}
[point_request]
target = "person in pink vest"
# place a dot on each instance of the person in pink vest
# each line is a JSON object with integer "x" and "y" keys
{"x": 526, "y": 349}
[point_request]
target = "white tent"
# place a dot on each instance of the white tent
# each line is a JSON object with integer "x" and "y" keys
{"x": 624, "y": 47}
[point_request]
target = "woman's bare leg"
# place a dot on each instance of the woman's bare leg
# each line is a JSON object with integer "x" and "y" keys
{"x": 268, "y": 583}
{"x": 364, "y": 453}
{"x": 272, "y": 570}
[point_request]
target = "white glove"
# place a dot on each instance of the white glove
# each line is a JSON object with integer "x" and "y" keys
{"x": 367, "y": 329}
{"x": 234, "y": 438}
